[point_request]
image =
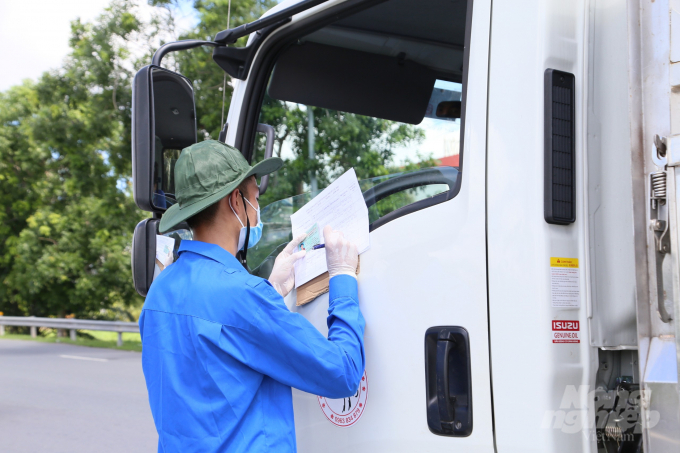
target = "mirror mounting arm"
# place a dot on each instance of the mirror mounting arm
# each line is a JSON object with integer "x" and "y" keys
{"x": 179, "y": 45}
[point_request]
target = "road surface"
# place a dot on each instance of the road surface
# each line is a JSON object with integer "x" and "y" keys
{"x": 61, "y": 398}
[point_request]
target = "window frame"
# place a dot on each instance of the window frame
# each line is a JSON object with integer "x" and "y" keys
{"x": 279, "y": 41}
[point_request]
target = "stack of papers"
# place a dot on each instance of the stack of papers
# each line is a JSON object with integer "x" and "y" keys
{"x": 341, "y": 205}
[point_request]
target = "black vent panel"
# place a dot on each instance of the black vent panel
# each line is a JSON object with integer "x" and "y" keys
{"x": 560, "y": 177}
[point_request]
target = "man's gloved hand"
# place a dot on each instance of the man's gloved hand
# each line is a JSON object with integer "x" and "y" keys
{"x": 282, "y": 277}
{"x": 341, "y": 255}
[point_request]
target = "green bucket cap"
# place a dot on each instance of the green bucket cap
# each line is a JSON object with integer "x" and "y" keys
{"x": 205, "y": 173}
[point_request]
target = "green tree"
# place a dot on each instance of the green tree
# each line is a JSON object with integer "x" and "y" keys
{"x": 68, "y": 215}
{"x": 22, "y": 165}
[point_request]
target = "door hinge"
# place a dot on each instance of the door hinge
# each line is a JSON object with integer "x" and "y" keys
{"x": 659, "y": 222}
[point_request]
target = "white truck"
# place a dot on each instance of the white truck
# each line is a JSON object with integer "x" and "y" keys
{"x": 534, "y": 275}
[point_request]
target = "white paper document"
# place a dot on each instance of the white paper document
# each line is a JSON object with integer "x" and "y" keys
{"x": 164, "y": 247}
{"x": 341, "y": 205}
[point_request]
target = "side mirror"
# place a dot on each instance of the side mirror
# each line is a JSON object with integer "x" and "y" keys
{"x": 448, "y": 109}
{"x": 144, "y": 254}
{"x": 163, "y": 123}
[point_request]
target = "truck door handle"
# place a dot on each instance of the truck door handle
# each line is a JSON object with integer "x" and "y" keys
{"x": 447, "y": 380}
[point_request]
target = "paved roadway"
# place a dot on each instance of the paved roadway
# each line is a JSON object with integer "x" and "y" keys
{"x": 61, "y": 398}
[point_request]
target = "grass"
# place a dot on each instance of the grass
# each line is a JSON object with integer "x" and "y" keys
{"x": 131, "y": 341}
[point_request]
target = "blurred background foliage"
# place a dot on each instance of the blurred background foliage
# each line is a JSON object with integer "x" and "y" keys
{"x": 67, "y": 215}
{"x": 66, "y": 209}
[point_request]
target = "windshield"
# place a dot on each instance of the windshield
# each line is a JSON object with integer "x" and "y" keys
{"x": 275, "y": 216}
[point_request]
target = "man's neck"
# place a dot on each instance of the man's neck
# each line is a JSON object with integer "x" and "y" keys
{"x": 227, "y": 240}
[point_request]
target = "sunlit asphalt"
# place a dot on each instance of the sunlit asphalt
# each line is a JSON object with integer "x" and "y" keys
{"x": 61, "y": 398}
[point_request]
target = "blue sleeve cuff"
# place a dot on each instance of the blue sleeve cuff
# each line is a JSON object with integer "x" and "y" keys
{"x": 342, "y": 286}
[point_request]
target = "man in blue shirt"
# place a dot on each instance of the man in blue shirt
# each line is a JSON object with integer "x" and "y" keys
{"x": 221, "y": 350}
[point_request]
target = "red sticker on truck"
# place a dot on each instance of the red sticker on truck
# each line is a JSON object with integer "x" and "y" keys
{"x": 566, "y": 332}
{"x": 345, "y": 412}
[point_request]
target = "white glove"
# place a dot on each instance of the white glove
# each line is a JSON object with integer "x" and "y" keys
{"x": 282, "y": 277}
{"x": 341, "y": 255}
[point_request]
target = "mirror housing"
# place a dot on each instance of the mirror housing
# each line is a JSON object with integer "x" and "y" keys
{"x": 144, "y": 255}
{"x": 163, "y": 122}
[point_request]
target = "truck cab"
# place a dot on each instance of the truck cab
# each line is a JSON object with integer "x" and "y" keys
{"x": 521, "y": 286}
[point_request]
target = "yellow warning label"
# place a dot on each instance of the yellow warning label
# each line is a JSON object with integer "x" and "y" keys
{"x": 564, "y": 262}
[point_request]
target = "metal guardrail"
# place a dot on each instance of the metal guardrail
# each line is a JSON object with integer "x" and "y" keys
{"x": 70, "y": 324}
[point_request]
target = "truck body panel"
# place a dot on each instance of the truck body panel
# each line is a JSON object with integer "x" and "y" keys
{"x": 562, "y": 319}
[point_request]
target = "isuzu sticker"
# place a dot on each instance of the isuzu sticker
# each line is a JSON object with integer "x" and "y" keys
{"x": 564, "y": 283}
{"x": 345, "y": 412}
{"x": 566, "y": 332}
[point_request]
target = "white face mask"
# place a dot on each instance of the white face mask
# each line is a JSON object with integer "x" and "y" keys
{"x": 255, "y": 231}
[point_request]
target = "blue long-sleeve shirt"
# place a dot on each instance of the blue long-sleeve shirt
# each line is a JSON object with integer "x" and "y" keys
{"x": 221, "y": 352}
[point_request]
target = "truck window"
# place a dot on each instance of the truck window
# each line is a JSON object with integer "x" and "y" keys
{"x": 385, "y": 101}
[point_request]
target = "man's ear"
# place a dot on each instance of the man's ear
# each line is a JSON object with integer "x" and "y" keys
{"x": 235, "y": 198}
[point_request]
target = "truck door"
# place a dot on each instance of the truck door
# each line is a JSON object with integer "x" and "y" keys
{"x": 396, "y": 90}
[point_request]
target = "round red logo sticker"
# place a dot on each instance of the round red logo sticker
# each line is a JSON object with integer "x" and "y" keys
{"x": 346, "y": 411}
